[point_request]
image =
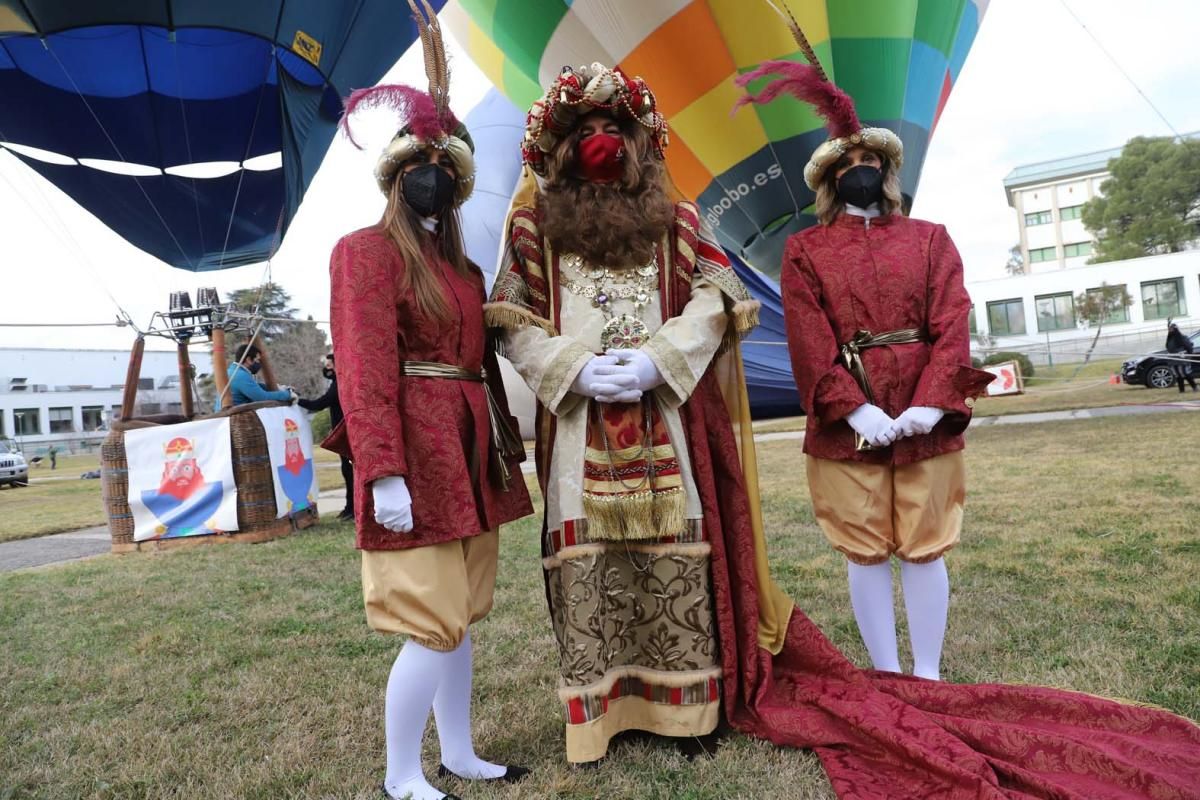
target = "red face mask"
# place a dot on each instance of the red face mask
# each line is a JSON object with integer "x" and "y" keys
{"x": 602, "y": 157}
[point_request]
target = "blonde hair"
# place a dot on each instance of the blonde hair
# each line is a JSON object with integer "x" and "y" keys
{"x": 403, "y": 226}
{"x": 828, "y": 206}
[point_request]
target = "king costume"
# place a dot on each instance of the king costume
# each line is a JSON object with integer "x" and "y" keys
{"x": 655, "y": 566}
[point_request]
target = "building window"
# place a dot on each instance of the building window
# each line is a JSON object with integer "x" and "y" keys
{"x": 1039, "y": 254}
{"x": 151, "y": 408}
{"x": 1162, "y": 299}
{"x": 1077, "y": 249}
{"x": 1113, "y": 315}
{"x": 1070, "y": 212}
{"x": 1055, "y": 312}
{"x": 28, "y": 421}
{"x": 62, "y": 420}
{"x": 1006, "y": 317}
{"x": 1038, "y": 218}
{"x": 971, "y": 326}
{"x": 93, "y": 418}
{"x": 116, "y": 413}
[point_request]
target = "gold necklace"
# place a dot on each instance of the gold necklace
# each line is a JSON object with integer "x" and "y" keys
{"x": 624, "y": 331}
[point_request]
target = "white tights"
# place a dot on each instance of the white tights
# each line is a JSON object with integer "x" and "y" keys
{"x": 926, "y": 601}
{"x": 422, "y": 679}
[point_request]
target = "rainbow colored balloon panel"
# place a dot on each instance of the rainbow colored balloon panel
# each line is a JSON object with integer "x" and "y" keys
{"x": 897, "y": 58}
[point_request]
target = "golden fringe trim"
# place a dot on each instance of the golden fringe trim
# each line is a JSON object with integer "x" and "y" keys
{"x": 743, "y": 316}
{"x": 690, "y": 550}
{"x": 635, "y": 515}
{"x": 673, "y": 680}
{"x": 510, "y": 316}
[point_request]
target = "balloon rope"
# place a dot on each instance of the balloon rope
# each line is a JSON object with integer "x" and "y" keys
{"x": 117, "y": 150}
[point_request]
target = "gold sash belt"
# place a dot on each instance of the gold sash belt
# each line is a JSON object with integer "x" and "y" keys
{"x": 506, "y": 443}
{"x": 852, "y": 357}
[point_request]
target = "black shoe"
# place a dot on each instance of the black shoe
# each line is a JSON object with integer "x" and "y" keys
{"x": 346, "y": 515}
{"x": 388, "y": 795}
{"x": 511, "y": 774}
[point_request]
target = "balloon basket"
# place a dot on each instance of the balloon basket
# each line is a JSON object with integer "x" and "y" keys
{"x": 256, "y": 506}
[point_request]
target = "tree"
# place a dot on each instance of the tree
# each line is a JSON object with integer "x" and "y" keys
{"x": 1151, "y": 204}
{"x": 297, "y": 356}
{"x": 295, "y": 347}
{"x": 1097, "y": 306}
{"x": 1016, "y": 261}
{"x": 269, "y": 301}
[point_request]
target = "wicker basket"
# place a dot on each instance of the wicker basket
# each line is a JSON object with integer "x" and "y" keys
{"x": 251, "y": 475}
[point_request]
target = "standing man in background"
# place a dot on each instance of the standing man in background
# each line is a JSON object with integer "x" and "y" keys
{"x": 330, "y": 400}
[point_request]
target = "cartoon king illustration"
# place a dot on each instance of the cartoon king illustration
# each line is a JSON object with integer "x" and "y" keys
{"x": 184, "y": 504}
{"x": 296, "y": 473}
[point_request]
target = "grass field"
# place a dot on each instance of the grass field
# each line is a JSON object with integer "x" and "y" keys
{"x": 57, "y": 500}
{"x": 1052, "y": 389}
{"x": 248, "y": 671}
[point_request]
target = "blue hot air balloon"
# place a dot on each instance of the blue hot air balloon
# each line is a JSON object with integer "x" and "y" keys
{"x": 191, "y": 128}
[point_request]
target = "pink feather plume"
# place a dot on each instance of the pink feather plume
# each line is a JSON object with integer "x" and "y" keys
{"x": 805, "y": 83}
{"x": 416, "y": 109}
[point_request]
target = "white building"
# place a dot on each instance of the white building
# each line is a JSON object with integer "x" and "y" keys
{"x": 1034, "y": 311}
{"x": 70, "y": 397}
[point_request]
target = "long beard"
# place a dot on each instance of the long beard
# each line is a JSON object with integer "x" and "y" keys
{"x": 604, "y": 224}
{"x": 293, "y": 459}
{"x": 180, "y": 490}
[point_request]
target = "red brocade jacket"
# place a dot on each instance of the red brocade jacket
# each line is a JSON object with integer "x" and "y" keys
{"x": 880, "y": 275}
{"x": 433, "y": 431}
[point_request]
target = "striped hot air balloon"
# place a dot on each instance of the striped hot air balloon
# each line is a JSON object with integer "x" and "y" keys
{"x": 898, "y": 59}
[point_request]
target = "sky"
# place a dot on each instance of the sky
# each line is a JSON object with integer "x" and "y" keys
{"x": 1035, "y": 87}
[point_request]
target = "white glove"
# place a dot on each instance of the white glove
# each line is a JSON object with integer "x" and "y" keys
{"x": 295, "y": 395}
{"x": 606, "y": 381}
{"x": 393, "y": 504}
{"x": 917, "y": 420}
{"x": 642, "y": 366}
{"x": 873, "y": 424}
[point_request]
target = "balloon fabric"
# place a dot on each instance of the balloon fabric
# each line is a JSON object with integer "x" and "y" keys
{"x": 124, "y": 106}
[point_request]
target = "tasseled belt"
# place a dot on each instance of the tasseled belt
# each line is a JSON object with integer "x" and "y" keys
{"x": 852, "y": 356}
{"x": 506, "y": 443}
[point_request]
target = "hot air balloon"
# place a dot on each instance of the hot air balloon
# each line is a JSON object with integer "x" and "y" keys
{"x": 898, "y": 59}
{"x": 192, "y": 128}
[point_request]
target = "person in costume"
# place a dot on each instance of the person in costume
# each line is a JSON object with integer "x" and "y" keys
{"x": 876, "y": 317}
{"x": 873, "y": 336}
{"x": 614, "y": 300}
{"x": 427, "y": 426}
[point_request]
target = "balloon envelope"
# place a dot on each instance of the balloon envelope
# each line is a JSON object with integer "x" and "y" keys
{"x": 247, "y": 92}
{"x": 496, "y": 126}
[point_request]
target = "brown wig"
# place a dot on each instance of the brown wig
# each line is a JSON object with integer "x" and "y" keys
{"x": 828, "y": 206}
{"x": 615, "y": 224}
{"x": 403, "y": 226}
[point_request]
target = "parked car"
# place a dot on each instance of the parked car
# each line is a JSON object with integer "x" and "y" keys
{"x": 1154, "y": 371}
{"x": 13, "y": 469}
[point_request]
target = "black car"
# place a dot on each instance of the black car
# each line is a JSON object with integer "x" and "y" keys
{"x": 1154, "y": 371}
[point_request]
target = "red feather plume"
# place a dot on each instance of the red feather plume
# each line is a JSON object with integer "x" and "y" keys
{"x": 416, "y": 108}
{"x": 806, "y": 83}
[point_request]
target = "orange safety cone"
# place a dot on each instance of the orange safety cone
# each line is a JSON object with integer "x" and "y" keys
{"x": 1114, "y": 379}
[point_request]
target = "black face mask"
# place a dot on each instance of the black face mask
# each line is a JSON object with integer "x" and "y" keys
{"x": 428, "y": 189}
{"x": 327, "y": 372}
{"x": 254, "y": 368}
{"x": 860, "y": 186}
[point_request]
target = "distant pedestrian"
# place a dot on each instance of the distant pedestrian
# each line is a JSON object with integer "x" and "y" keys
{"x": 1182, "y": 348}
{"x": 54, "y": 451}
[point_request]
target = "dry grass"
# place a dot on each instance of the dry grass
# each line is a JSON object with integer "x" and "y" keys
{"x": 247, "y": 672}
